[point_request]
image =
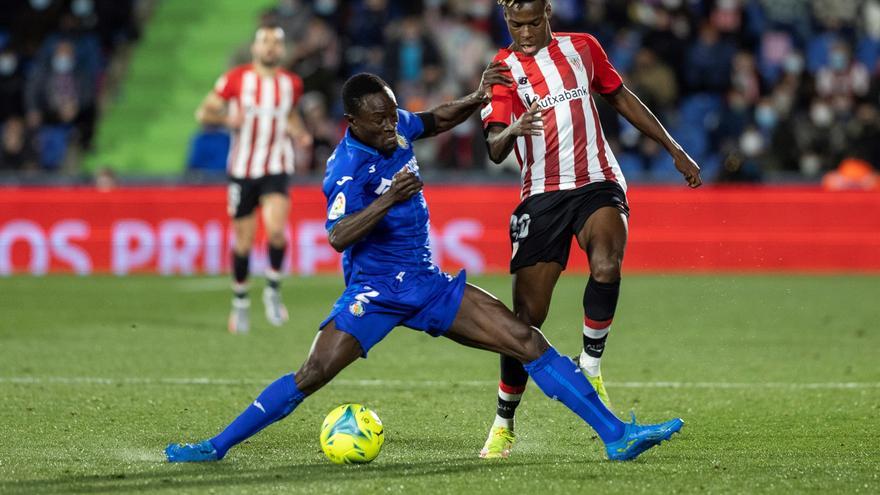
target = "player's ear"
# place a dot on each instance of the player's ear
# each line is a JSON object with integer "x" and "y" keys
{"x": 350, "y": 119}
{"x": 548, "y": 10}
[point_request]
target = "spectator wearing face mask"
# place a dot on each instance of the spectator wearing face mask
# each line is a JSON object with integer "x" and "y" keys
{"x": 844, "y": 79}
{"x": 56, "y": 94}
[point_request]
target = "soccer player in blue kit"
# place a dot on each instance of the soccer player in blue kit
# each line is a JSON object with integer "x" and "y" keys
{"x": 377, "y": 216}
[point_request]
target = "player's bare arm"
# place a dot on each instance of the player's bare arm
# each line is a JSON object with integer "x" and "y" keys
{"x": 296, "y": 129}
{"x": 450, "y": 114}
{"x": 353, "y": 228}
{"x": 631, "y": 107}
{"x": 215, "y": 111}
{"x": 500, "y": 138}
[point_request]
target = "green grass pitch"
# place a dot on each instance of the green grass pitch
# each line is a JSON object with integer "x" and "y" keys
{"x": 777, "y": 378}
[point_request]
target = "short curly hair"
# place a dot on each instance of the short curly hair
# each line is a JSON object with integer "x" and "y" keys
{"x": 358, "y": 86}
{"x": 511, "y": 3}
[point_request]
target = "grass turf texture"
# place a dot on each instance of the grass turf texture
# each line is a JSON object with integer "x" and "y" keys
{"x": 64, "y": 428}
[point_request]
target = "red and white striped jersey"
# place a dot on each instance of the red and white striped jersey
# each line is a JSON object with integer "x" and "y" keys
{"x": 572, "y": 150}
{"x": 261, "y": 146}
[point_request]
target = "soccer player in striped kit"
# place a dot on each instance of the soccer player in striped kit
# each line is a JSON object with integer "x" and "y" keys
{"x": 257, "y": 102}
{"x": 572, "y": 185}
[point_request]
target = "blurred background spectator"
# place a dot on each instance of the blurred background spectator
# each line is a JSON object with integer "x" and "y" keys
{"x": 756, "y": 90}
{"x": 54, "y": 55}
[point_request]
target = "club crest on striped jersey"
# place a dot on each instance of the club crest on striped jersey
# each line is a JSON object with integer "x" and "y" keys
{"x": 576, "y": 63}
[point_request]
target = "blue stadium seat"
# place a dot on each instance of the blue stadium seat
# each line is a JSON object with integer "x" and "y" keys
{"x": 662, "y": 169}
{"x": 818, "y": 49}
{"x": 701, "y": 109}
{"x": 693, "y": 139}
{"x": 868, "y": 52}
{"x": 52, "y": 141}
{"x": 710, "y": 167}
{"x": 632, "y": 166}
{"x": 208, "y": 151}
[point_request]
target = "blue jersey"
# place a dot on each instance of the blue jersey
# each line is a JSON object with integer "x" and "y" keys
{"x": 356, "y": 176}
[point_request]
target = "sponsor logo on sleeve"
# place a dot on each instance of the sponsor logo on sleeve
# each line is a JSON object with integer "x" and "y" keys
{"x": 486, "y": 112}
{"x": 338, "y": 208}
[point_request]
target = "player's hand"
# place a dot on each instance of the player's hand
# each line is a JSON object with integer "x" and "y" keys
{"x": 495, "y": 73}
{"x": 688, "y": 168}
{"x": 304, "y": 140}
{"x": 234, "y": 120}
{"x": 530, "y": 123}
{"x": 404, "y": 185}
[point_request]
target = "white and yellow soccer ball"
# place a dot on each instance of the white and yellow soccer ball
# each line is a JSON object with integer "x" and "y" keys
{"x": 352, "y": 434}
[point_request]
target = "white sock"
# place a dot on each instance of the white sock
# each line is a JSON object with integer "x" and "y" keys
{"x": 508, "y": 397}
{"x": 590, "y": 364}
{"x": 499, "y": 421}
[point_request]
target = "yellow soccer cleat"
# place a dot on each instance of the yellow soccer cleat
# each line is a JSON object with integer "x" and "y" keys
{"x": 599, "y": 385}
{"x": 498, "y": 444}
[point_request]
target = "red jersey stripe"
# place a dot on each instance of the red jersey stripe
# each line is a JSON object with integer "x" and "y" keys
{"x": 548, "y": 116}
{"x": 579, "y": 126}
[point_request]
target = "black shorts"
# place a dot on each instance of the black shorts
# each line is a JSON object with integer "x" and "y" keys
{"x": 542, "y": 226}
{"x": 244, "y": 194}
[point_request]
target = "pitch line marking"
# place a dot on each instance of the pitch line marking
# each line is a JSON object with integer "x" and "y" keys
{"x": 90, "y": 380}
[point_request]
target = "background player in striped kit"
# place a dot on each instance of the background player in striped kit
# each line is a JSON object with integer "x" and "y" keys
{"x": 572, "y": 183}
{"x": 257, "y": 102}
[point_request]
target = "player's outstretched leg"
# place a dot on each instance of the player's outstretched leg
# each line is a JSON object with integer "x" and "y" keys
{"x": 333, "y": 351}
{"x": 484, "y": 322}
{"x": 532, "y": 291}
{"x": 275, "y": 209}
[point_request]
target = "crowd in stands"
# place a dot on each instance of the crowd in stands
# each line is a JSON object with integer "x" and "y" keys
{"x": 54, "y": 56}
{"x": 753, "y": 89}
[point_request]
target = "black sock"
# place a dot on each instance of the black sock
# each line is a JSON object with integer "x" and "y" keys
{"x": 600, "y": 303}
{"x": 276, "y": 260}
{"x": 513, "y": 382}
{"x": 240, "y": 269}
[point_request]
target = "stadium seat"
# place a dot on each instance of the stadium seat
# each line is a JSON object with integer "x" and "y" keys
{"x": 52, "y": 145}
{"x": 632, "y": 166}
{"x": 818, "y": 49}
{"x": 701, "y": 109}
{"x": 693, "y": 138}
{"x": 208, "y": 151}
{"x": 868, "y": 52}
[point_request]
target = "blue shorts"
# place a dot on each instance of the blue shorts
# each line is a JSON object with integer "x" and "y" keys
{"x": 369, "y": 309}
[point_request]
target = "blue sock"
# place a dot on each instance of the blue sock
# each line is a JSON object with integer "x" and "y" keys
{"x": 562, "y": 380}
{"x": 278, "y": 400}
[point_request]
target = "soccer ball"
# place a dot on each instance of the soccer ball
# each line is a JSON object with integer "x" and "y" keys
{"x": 352, "y": 434}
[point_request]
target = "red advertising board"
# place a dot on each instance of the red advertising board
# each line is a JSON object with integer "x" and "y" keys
{"x": 184, "y": 230}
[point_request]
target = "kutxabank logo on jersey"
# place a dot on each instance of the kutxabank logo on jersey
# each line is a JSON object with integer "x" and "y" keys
{"x": 559, "y": 98}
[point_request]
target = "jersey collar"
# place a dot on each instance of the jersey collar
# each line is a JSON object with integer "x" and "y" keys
{"x": 353, "y": 142}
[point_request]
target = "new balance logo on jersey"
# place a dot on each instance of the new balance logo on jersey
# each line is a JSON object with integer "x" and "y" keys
{"x": 559, "y": 98}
